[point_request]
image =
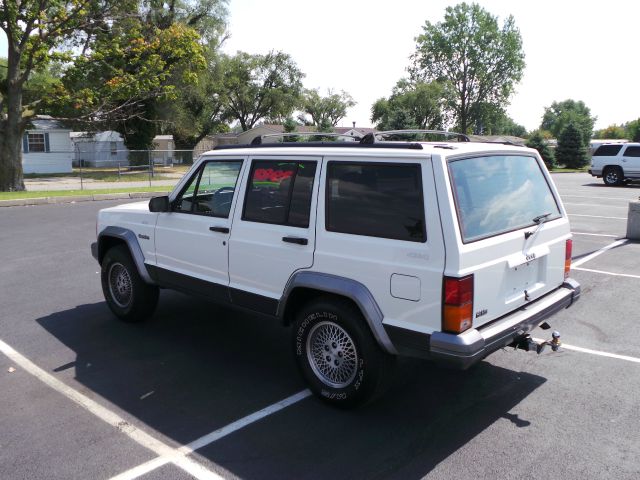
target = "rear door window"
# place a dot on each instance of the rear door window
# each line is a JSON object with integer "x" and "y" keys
{"x": 376, "y": 200}
{"x": 607, "y": 150}
{"x": 632, "y": 151}
{"x": 498, "y": 194}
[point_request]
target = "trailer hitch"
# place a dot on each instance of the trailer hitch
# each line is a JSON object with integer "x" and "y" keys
{"x": 528, "y": 344}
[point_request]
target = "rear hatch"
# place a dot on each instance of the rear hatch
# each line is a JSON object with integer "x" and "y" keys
{"x": 512, "y": 231}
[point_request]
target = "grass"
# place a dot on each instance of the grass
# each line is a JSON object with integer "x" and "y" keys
{"x": 111, "y": 174}
{"x": 67, "y": 193}
{"x": 569, "y": 170}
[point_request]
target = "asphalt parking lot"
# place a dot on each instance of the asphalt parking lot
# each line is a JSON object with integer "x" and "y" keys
{"x": 206, "y": 392}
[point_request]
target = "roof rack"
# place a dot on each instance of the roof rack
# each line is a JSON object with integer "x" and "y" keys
{"x": 407, "y": 145}
{"x": 371, "y": 138}
{"x": 258, "y": 140}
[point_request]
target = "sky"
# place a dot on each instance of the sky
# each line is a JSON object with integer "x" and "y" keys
{"x": 573, "y": 50}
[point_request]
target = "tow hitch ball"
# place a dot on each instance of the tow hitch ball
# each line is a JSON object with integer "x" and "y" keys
{"x": 530, "y": 345}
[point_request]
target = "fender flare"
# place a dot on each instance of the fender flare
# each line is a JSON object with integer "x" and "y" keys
{"x": 130, "y": 239}
{"x": 344, "y": 287}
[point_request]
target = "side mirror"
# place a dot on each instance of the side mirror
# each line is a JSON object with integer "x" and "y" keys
{"x": 159, "y": 204}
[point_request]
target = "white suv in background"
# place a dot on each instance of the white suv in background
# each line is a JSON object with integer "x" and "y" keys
{"x": 447, "y": 251}
{"x": 616, "y": 163}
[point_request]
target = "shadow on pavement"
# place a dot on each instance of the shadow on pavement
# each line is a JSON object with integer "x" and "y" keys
{"x": 196, "y": 367}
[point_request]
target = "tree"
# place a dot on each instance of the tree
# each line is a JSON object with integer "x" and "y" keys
{"x": 611, "y": 132}
{"x": 536, "y": 140}
{"x": 560, "y": 114}
{"x": 254, "y": 87}
{"x": 412, "y": 105}
{"x": 481, "y": 61}
{"x": 325, "y": 111}
{"x": 34, "y": 30}
{"x": 632, "y": 130}
{"x": 491, "y": 120}
{"x": 571, "y": 151}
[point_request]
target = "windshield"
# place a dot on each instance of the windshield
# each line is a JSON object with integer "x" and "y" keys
{"x": 498, "y": 194}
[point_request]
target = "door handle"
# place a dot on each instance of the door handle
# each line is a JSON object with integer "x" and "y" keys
{"x": 219, "y": 229}
{"x": 298, "y": 240}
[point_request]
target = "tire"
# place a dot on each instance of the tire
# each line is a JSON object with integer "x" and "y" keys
{"x": 613, "y": 176}
{"x": 128, "y": 296}
{"x": 337, "y": 354}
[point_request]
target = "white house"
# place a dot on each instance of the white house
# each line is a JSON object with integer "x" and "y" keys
{"x": 46, "y": 147}
{"x": 101, "y": 149}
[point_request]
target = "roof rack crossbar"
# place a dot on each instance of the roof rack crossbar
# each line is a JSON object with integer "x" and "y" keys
{"x": 258, "y": 140}
{"x": 379, "y": 136}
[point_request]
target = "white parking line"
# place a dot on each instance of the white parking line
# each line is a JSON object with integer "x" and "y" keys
{"x": 595, "y": 234}
{"x": 595, "y": 205}
{"x": 591, "y": 197}
{"x": 166, "y": 453}
{"x": 596, "y": 216}
{"x": 606, "y": 273}
{"x": 597, "y": 352}
{"x": 599, "y": 252}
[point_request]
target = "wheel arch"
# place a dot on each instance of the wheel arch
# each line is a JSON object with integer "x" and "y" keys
{"x": 112, "y": 236}
{"x": 305, "y": 286}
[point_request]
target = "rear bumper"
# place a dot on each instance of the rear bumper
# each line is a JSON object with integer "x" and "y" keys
{"x": 465, "y": 349}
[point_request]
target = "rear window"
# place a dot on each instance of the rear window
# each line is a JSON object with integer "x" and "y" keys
{"x": 498, "y": 194}
{"x": 607, "y": 150}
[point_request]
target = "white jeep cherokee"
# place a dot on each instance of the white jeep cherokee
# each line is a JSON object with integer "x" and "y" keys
{"x": 442, "y": 250}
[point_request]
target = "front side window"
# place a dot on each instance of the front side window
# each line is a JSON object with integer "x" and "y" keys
{"x": 280, "y": 192}
{"x": 36, "y": 142}
{"x": 498, "y": 194}
{"x": 632, "y": 151}
{"x": 210, "y": 190}
{"x": 376, "y": 200}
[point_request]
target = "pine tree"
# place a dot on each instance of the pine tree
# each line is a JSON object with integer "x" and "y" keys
{"x": 571, "y": 151}
{"x": 537, "y": 141}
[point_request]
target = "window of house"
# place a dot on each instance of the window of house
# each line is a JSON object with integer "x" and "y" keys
{"x": 36, "y": 142}
{"x": 280, "y": 192}
{"x": 210, "y": 190}
{"x": 114, "y": 148}
{"x": 376, "y": 200}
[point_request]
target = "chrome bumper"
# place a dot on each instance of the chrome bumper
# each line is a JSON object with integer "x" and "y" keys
{"x": 470, "y": 347}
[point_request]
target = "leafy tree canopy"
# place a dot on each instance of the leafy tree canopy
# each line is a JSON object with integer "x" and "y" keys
{"x": 256, "y": 87}
{"x": 560, "y": 114}
{"x": 325, "y": 111}
{"x": 412, "y": 105}
{"x": 612, "y": 132}
{"x": 632, "y": 130}
{"x": 479, "y": 59}
{"x": 537, "y": 140}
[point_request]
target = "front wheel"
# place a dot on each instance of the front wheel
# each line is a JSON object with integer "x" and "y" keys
{"x": 337, "y": 354}
{"x": 613, "y": 176}
{"x": 128, "y": 296}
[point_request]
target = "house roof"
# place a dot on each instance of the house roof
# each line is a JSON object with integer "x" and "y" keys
{"x": 47, "y": 123}
{"x": 106, "y": 136}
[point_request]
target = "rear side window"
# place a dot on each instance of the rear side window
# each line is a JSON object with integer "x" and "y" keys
{"x": 607, "y": 150}
{"x": 632, "y": 151}
{"x": 498, "y": 194}
{"x": 376, "y": 200}
{"x": 280, "y": 192}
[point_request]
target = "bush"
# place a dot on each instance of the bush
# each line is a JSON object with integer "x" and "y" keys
{"x": 537, "y": 141}
{"x": 571, "y": 151}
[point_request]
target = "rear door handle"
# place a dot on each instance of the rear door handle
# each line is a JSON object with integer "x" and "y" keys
{"x": 298, "y": 240}
{"x": 219, "y": 229}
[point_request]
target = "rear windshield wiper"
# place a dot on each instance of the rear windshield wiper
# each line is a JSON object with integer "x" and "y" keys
{"x": 540, "y": 218}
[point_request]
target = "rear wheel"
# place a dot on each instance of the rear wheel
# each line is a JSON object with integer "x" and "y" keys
{"x": 613, "y": 176}
{"x": 337, "y": 354}
{"x": 128, "y": 296}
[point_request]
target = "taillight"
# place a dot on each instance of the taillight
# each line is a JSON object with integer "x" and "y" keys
{"x": 457, "y": 311}
{"x": 567, "y": 258}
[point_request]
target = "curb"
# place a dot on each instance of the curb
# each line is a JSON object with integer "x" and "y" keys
{"x": 23, "y": 202}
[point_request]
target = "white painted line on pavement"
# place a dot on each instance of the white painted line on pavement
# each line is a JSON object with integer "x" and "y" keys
{"x": 605, "y": 273}
{"x": 165, "y": 452}
{"x": 596, "y": 234}
{"x": 599, "y": 198}
{"x": 596, "y": 352}
{"x": 599, "y": 252}
{"x": 205, "y": 440}
{"x": 595, "y": 205}
{"x": 596, "y": 216}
